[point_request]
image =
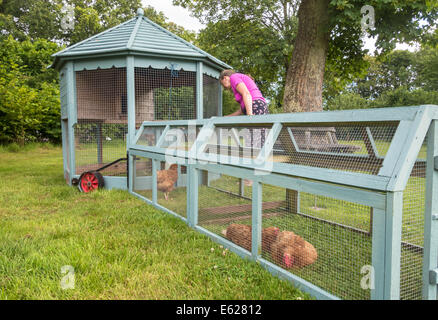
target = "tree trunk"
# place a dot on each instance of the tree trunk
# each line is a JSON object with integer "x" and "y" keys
{"x": 304, "y": 80}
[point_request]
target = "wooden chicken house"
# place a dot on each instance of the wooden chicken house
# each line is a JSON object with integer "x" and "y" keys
{"x": 115, "y": 80}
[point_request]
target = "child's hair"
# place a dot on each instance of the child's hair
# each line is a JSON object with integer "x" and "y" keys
{"x": 226, "y": 73}
{"x": 229, "y": 72}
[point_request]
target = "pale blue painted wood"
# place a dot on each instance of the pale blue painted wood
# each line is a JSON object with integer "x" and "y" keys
{"x": 220, "y": 103}
{"x": 155, "y": 166}
{"x": 404, "y": 149}
{"x": 378, "y": 253}
{"x": 430, "y": 249}
{"x": 162, "y": 63}
{"x": 130, "y": 91}
{"x": 393, "y": 232}
{"x": 212, "y": 72}
{"x": 117, "y": 183}
{"x": 300, "y": 283}
{"x": 256, "y": 233}
{"x": 72, "y": 115}
{"x": 199, "y": 91}
{"x": 355, "y": 195}
{"x": 162, "y": 136}
{"x": 192, "y": 196}
{"x": 102, "y": 63}
{"x": 373, "y": 143}
{"x": 272, "y": 137}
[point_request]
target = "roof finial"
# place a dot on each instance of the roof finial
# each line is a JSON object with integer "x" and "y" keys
{"x": 140, "y": 12}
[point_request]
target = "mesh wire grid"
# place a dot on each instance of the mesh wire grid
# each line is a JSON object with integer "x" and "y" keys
{"x": 164, "y": 94}
{"x": 180, "y": 137}
{"x": 100, "y": 133}
{"x": 171, "y": 184}
{"x": 219, "y": 209}
{"x": 142, "y": 183}
{"x": 359, "y": 148}
{"x": 239, "y": 142}
{"x": 149, "y": 136}
{"x": 211, "y": 92}
{"x": 324, "y": 240}
{"x": 413, "y": 230}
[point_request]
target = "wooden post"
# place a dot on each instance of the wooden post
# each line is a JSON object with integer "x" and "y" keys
{"x": 430, "y": 252}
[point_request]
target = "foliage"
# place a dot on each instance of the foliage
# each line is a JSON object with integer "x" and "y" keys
{"x": 29, "y": 94}
{"x": 400, "y": 78}
{"x": 234, "y": 28}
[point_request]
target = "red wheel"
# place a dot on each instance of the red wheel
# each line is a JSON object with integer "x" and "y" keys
{"x": 90, "y": 181}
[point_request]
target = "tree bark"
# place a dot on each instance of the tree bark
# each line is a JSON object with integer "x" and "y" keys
{"x": 304, "y": 79}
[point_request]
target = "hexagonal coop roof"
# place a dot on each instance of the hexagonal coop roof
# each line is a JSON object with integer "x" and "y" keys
{"x": 137, "y": 36}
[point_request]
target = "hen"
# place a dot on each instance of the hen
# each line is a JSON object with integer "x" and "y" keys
{"x": 290, "y": 250}
{"x": 166, "y": 180}
{"x": 241, "y": 235}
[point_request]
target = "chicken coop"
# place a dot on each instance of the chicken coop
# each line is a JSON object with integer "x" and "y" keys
{"x": 343, "y": 204}
{"x": 114, "y": 81}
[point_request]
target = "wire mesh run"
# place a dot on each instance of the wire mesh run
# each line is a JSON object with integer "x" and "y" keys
{"x": 323, "y": 240}
{"x": 223, "y": 212}
{"x": 180, "y": 137}
{"x": 164, "y": 94}
{"x": 211, "y": 91}
{"x": 172, "y": 187}
{"x": 142, "y": 182}
{"x": 237, "y": 142}
{"x": 358, "y": 148}
{"x": 101, "y": 129}
{"x": 413, "y": 230}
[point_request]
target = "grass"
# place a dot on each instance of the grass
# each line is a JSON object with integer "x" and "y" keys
{"x": 119, "y": 247}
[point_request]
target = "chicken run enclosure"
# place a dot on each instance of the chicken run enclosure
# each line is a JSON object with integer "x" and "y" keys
{"x": 342, "y": 204}
{"x": 351, "y": 193}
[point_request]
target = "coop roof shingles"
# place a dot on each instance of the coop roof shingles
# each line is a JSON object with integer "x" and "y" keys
{"x": 137, "y": 35}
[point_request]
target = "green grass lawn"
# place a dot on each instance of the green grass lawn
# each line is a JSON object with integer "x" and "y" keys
{"x": 119, "y": 247}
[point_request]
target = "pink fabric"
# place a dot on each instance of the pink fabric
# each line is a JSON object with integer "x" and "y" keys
{"x": 237, "y": 78}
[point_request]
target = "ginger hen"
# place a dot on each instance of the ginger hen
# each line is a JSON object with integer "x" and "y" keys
{"x": 241, "y": 235}
{"x": 166, "y": 179}
{"x": 290, "y": 251}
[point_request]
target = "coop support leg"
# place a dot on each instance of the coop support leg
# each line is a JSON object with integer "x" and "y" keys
{"x": 376, "y": 274}
{"x": 292, "y": 201}
{"x": 393, "y": 223}
{"x": 192, "y": 195}
{"x": 256, "y": 219}
{"x": 430, "y": 256}
{"x": 155, "y": 165}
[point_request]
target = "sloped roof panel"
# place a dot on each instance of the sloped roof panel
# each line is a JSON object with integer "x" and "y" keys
{"x": 138, "y": 35}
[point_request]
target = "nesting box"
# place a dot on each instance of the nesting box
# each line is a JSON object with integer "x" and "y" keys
{"x": 115, "y": 80}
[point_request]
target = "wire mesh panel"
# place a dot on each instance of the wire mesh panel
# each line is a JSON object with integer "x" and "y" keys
{"x": 142, "y": 183}
{"x": 171, "y": 187}
{"x": 164, "y": 94}
{"x": 180, "y": 137}
{"x": 149, "y": 136}
{"x": 238, "y": 142}
{"x": 211, "y": 93}
{"x": 101, "y": 129}
{"x": 323, "y": 240}
{"x": 413, "y": 230}
{"x": 224, "y": 213}
{"x": 359, "y": 148}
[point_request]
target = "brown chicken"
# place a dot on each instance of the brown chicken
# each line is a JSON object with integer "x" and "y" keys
{"x": 292, "y": 251}
{"x": 241, "y": 235}
{"x": 166, "y": 179}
